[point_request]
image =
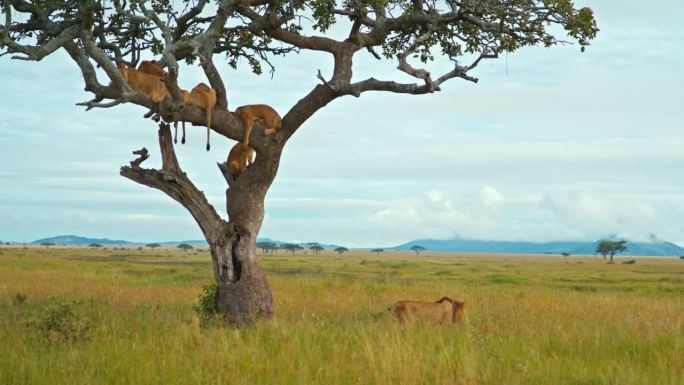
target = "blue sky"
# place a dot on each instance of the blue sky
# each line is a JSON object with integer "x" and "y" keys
{"x": 552, "y": 144}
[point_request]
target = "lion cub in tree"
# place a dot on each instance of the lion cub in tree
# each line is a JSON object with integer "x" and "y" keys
{"x": 239, "y": 158}
{"x": 249, "y": 113}
{"x": 144, "y": 82}
{"x": 204, "y": 97}
{"x": 444, "y": 310}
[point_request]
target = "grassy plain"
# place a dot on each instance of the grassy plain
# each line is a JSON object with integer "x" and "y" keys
{"x": 530, "y": 320}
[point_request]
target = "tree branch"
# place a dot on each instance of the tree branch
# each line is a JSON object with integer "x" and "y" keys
{"x": 417, "y": 73}
{"x": 174, "y": 183}
{"x": 37, "y": 52}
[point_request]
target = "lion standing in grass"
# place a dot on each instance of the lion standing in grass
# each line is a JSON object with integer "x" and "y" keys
{"x": 444, "y": 310}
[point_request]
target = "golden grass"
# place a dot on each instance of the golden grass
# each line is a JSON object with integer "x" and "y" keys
{"x": 530, "y": 320}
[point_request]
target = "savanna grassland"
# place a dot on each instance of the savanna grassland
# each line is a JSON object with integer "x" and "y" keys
{"x": 79, "y": 316}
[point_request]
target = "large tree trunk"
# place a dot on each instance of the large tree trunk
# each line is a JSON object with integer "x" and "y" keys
{"x": 243, "y": 290}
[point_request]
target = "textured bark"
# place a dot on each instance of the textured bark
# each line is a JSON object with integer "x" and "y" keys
{"x": 243, "y": 290}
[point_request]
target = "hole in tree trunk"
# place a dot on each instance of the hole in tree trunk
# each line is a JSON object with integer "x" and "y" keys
{"x": 237, "y": 267}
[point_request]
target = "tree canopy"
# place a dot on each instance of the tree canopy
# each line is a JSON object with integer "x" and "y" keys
{"x": 610, "y": 248}
{"x": 267, "y": 246}
{"x": 417, "y": 249}
{"x": 109, "y": 32}
{"x": 315, "y": 247}
{"x": 291, "y": 247}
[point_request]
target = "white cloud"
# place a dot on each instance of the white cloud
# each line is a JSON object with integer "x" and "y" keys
{"x": 491, "y": 198}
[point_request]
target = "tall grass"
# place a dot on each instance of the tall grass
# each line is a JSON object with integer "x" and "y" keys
{"x": 529, "y": 321}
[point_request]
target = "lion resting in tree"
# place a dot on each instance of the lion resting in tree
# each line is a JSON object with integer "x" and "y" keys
{"x": 444, "y": 310}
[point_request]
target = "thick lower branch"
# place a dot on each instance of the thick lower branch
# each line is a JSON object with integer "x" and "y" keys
{"x": 174, "y": 182}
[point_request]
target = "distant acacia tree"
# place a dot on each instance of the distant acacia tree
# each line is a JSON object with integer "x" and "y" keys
{"x": 267, "y": 247}
{"x": 340, "y": 250}
{"x": 417, "y": 249}
{"x": 99, "y": 35}
{"x": 565, "y": 256}
{"x": 610, "y": 248}
{"x": 185, "y": 247}
{"x": 95, "y": 245}
{"x": 153, "y": 245}
{"x": 315, "y": 247}
{"x": 378, "y": 251}
{"x": 47, "y": 244}
{"x": 291, "y": 247}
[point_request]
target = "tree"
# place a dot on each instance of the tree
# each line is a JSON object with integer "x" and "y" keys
{"x": 291, "y": 247}
{"x": 315, "y": 247}
{"x": 152, "y": 245}
{"x": 185, "y": 247}
{"x": 98, "y": 35}
{"x": 95, "y": 245}
{"x": 610, "y": 248}
{"x": 565, "y": 256}
{"x": 47, "y": 244}
{"x": 417, "y": 249}
{"x": 378, "y": 251}
{"x": 267, "y": 247}
{"x": 341, "y": 250}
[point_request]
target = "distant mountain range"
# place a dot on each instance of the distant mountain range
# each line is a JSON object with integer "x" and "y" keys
{"x": 75, "y": 240}
{"x": 654, "y": 247}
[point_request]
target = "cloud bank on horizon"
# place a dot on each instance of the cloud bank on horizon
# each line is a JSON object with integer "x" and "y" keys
{"x": 551, "y": 144}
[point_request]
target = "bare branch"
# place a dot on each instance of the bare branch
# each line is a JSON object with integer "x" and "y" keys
{"x": 143, "y": 157}
{"x": 95, "y": 103}
{"x": 172, "y": 181}
{"x": 182, "y": 22}
{"x": 417, "y": 73}
{"x": 459, "y": 71}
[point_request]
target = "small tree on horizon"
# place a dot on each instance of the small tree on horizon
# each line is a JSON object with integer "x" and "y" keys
{"x": 152, "y": 245}
{"x": 291, "y": 247}
{"x": 378, "y": 251}
{"x": 185, "y": 247}
{"x": 610, "y": 248}
{"x": 418, "y": 249}
{"x": 341, "y": 250}
{"x": 95, "y": 245}
{"x": 315, "y": 247}
{"x": 267, "y": 246}
{"x": 565, "y": 256}
{"x": 47, "y": 244}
